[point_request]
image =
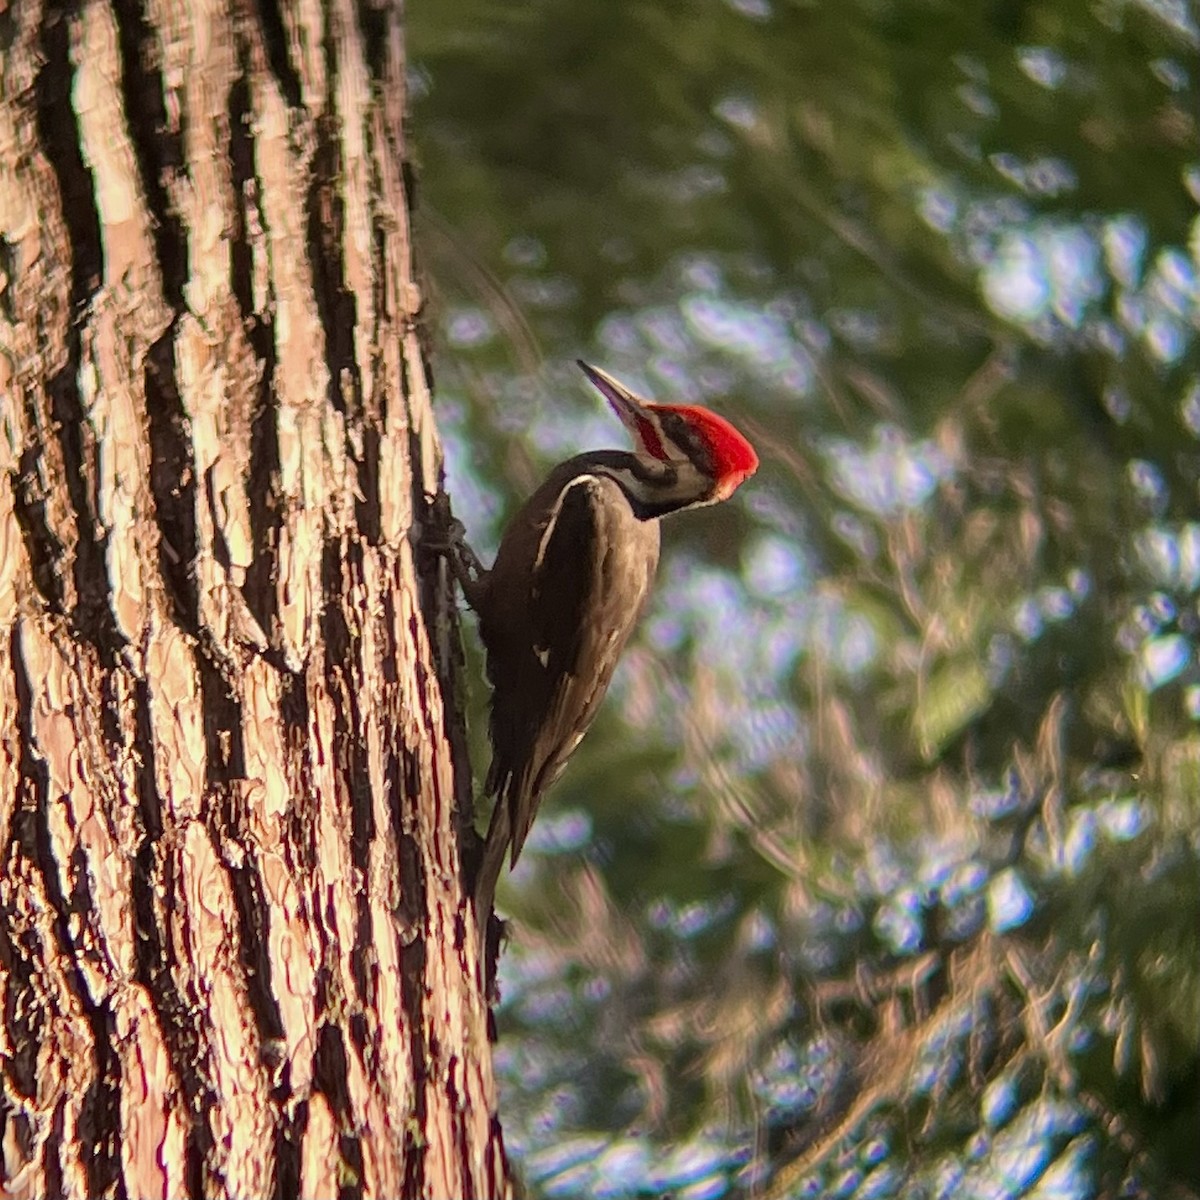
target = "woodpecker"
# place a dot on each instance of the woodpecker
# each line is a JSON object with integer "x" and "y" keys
{"x": 570, "y": 580}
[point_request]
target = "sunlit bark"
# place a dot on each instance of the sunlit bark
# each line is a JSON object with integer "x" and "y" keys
{"x": 234, "y": 951}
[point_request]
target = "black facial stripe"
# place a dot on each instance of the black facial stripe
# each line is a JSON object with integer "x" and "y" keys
{"x": 653, "y": 471}
{"x": 685, "y": 437}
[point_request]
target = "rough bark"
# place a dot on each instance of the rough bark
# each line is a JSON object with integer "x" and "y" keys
{"x": 234, "y": 942}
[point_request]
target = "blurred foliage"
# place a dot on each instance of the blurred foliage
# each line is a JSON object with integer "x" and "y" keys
{"x": 880, "y": 874}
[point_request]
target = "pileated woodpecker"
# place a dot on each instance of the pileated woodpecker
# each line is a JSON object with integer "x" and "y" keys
{"x": 570, "y": 581}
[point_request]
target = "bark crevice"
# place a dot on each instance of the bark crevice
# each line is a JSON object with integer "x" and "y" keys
{"x": 42, "y": 546}
{"x": 153, "y": 889}
{"x": 330, "y": 1069}
{"x": 412, "y": 976}
{"x": 253, "y": 955}
{"x": 157, "y": 147}
{"x": 275, "y": 42}
{"x": 59, "y": 132}
{"x": 289, "y": 1131}
{"x": 335, "y": 303}
{"x": 67, "y": 896}
{"x": 265, "y": 506}
{"x": 343, "y": 653}
{"x": 100, "y": 1110}
{"x": 172, "y": 481}
{"x": 92, "y": 616}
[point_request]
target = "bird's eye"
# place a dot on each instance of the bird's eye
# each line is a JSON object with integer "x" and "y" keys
{"x": 676, "y": 430}
{"x": 682, "y": 434}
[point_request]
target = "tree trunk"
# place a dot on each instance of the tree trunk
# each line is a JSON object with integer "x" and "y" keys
{"x": 236, "y": 955}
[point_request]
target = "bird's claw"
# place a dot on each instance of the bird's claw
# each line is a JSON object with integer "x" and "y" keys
{"x": 456, "y": 536}
{"x": 448, "y": 537}
{"x": 451, "y": 544}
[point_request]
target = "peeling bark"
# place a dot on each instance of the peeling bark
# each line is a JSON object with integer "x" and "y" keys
{"x": 234, "y": 957}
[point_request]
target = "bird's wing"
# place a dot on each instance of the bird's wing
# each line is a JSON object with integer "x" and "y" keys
{"x": 590, "y": 580}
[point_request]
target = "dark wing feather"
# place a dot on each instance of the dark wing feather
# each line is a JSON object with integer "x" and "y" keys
{"x": 591, "y": 577}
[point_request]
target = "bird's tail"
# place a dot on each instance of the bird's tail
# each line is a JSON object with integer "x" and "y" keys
{"x": 495, "y": 849}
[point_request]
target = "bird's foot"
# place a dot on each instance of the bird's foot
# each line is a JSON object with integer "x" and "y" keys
{"x": 465, "y": 560}
{"x": 446, "y": 535}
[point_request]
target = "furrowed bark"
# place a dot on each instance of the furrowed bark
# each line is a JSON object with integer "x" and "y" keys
{"x": 234, "y": 943}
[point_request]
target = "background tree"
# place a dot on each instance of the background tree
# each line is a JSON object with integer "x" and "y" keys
{"x": 880, "y": 875}
{"x": 235, "y": 950}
